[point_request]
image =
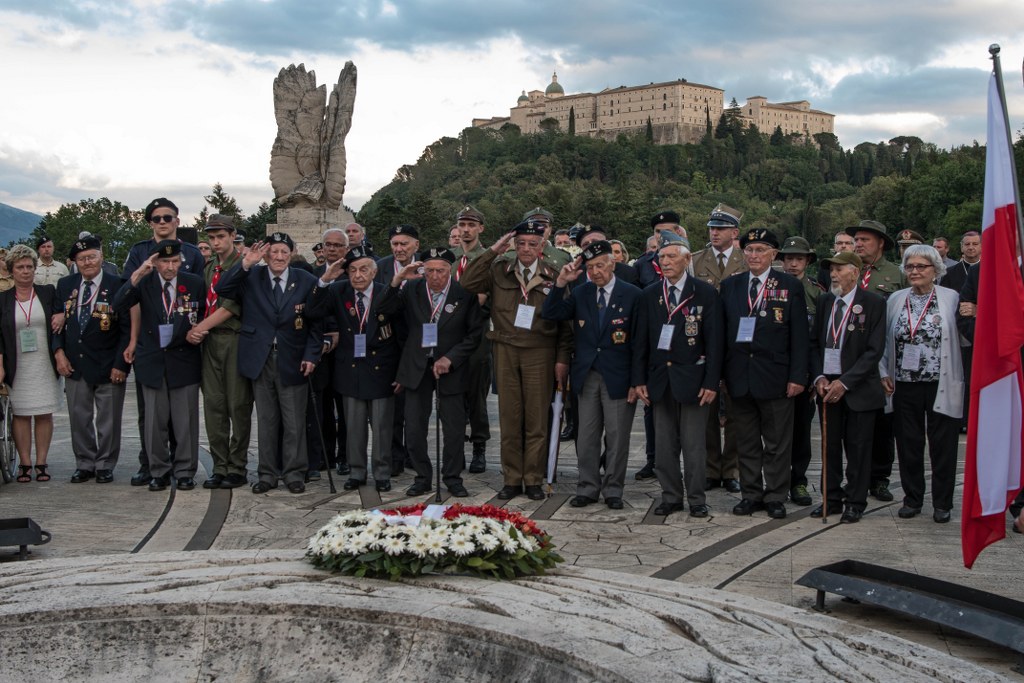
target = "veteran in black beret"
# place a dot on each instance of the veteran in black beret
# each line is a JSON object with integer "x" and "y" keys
{"x": 48, "y": 271}
{"x": 552, "y": 256}
{"x": 765, "y": 369}
{"x": 647, "y": 268}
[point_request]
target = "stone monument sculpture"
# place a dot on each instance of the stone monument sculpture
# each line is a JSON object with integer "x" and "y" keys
{"x": 307, "y": 161}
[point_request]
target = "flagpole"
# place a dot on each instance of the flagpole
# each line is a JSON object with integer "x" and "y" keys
{"x": 997, "y": 70}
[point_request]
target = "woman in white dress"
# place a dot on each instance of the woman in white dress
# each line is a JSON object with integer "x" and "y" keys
{"x": 26, "y": 361}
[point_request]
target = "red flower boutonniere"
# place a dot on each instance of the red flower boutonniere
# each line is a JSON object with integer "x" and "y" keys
{"x": 182, "y": 289}
{"x": 348, "y": 305}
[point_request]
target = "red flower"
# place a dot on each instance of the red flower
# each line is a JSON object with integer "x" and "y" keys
{"x": 516, "y": 519}
{"x": 182, "y": 289}
{"x": 348, "y": 305}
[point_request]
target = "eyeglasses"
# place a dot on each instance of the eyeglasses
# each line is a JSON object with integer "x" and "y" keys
{"x": 162, "y": 219}
{"x": 336, "y": 245}
{"x": 911, "y": 267}
{"x": 90, "y": 258}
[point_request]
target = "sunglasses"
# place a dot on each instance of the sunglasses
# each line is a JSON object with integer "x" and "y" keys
{"x": 162, "y": 219}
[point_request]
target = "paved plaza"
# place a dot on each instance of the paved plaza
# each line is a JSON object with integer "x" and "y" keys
{"x": 753, "y": 556}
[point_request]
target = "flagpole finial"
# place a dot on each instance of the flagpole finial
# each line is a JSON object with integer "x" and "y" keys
{"x": 993, "y": 49}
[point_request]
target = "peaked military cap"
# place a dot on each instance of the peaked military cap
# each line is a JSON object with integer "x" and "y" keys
{"x": 468, "y": 213}
{"x": 762, "y": 235}
{"x": 539, "y": 215}
{"x": 404, "y": 229}
{"x": 240, "y": 237}
{"x": 665, "y": 217}
{"x": 723, "y": 216}
{"x": 84, "y": 244}
{"x": 799, "y": 246}
{"x": 875, "y": 227}
{"x": 846, "y": 258}
{"x": 160, "y": 203}
{"x": 908, "y": 237}
{"x": 281, "y": 238}
{"x": 219, "y": 221}
{"x": 166, "y": 248}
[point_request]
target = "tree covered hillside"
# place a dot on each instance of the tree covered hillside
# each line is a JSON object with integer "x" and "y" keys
{"x": 777, "y": 181}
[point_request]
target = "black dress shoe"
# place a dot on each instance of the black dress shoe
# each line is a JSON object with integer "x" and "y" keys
{"x": 747, "y": 507}
{"x": 699, "y": 511}
{"x": 383, "y": 486}
{"x": 479, "y": 462}
{"x": 509, "y": 492}
{"x": 645, "y": 472}
{"x": 582, "y": 501}
{"x": 568, "y": 433}
{"x": 104, "y": 476}
{"x": 418, "y": 490}
{"x": 186, "y": 484}
{"x": 159, "y": 483}
{"x": 881, "y": 492}
{"x": 906, "y": 512}
{"x": 851, "y": 516}
{"x": 233, "y": 481}
{"x": 214, "y": 482}
{"x": 731, "y": 485}
{"x": 458, "y": 491}
{"x": 535, "y": 493}
{"x": 833, "y": 509}
{"x": 613, "y": 503}
{"x": 344, "y": 468}
{"x": 262, "y": 487}
{"x": 710, "y": 484}
{"x": 776, "y": 509}
{"x": 668, "y": 508}
{"x": 941, "y": 516}
{"x": 296, "y": 487}
{"x": 353, "y": 484}
{"x": 81, "y": 476}
{"x": 141, "y": 478}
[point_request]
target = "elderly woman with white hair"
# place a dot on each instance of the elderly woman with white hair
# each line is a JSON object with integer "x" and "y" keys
{"x": 923, "y": 374}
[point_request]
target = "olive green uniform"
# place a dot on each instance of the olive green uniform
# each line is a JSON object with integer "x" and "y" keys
{"x": 227, "y": 396}
{"x": 885, "y": 278}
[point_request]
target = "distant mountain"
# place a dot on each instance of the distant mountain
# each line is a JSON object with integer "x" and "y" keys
{"x": 16, "y": 224}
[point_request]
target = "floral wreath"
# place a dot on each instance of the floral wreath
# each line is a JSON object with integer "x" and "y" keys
{"x": 484, "y": 541}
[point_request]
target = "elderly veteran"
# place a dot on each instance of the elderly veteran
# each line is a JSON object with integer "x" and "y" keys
{"x": 765, "y": 369}
{"x": 552, "y": 257}
{"x": 921, "y": 370}
{"x": 277, "y": 350}
{"x": 847, "y": 340}
{"x": 444, "y": 324}
{"x": 167, "y": 366}
{"x": 48, "y": 272}
{"x": 227, "y": 395}
{"x": 601, "y": 311}
{"x": 677, "y": 369}
{"x": 531, "y": 354}
{"x": 89, "y": 352}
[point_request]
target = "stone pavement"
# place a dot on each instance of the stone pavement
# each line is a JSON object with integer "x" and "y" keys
{"x": 751, "y": 556}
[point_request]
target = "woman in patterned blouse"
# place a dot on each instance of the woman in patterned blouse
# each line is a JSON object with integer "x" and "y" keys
{"x": 923, "y": 374}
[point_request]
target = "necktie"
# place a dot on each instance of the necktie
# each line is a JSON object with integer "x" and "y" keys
{"x": 673, "y": 300}
{"x": 602, "y": 305}
{"x": 837, "y": 321}
{"x": 721, "y": 265}
{"x": 84, "y": 310}
{"x": 168, "y": 300}
{"x": 755, "y": 284}
{"x": 435, "y": 298}
{"x": 360, "y": 305}
{"x": 278, "y": 292}
{"x": 526, "y": 276}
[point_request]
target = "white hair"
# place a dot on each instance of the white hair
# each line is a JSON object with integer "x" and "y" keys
{"x": 341, "y": 232}
{"x": 925, "y": 251}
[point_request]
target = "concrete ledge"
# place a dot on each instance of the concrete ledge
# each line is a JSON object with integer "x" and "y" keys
{"x": 268, "y": 615}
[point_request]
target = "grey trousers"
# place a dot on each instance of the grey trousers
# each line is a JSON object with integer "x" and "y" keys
{"x": 380, "y": 413}
{"x": 94, "y": 411}
{"x": 283, "y": 408}
{"x": 603, "y": 422}
{"x": 181, "y": 407}
{"x": 764, "y": 436}
{"x": 680, "y": 427}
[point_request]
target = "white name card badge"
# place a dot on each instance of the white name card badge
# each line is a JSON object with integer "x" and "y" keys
{"x": 166, "y": 332}
{"x": 360, "y": 347}
{"x": 665, "y": 340}
{"x": 29, "y": 340}
{"x": 524, "y": 317}
{"x": 746, "y": 331}
{"x": 429, "y": 335}
{"x": 911, "y": 357}
{"x": 833, "y": 366}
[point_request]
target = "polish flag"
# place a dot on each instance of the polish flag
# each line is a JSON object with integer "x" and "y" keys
{"x": 992, "y": 472}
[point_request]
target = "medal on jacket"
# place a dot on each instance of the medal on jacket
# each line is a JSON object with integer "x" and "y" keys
{"x": 298, "y": 316}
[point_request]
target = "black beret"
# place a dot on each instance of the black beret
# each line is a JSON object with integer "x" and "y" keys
{"x": 442, "y": 253}
{"x": 43, "y": 239}
{"x": 318, "y": 246}
{"x": 358, "y": 252}
{"x": 530, "y": 228}
{"x": 161, "y": 203}
{"x": 665, "y": 217}
{"x": 281, "y": 238}
{"x": 598, "y": 248}
{"x": 166, "y": 248}
{"x": 404, "y": 229}
{"x": 763, "y": 235}
{"x": 586, "y": 230}
{"x": 84, "y": 244}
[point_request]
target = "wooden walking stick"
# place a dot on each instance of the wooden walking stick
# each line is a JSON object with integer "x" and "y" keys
{"x": 824, "y": 461}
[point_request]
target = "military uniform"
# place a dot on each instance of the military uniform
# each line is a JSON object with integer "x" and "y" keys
{"x": 479, "y": 368}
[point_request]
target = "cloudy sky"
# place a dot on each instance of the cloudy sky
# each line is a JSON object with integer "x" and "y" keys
{"x": 142, "y": 98}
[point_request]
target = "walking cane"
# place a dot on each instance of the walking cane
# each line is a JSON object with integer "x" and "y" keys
{"x": 824, "y": 460}
{"x": 320, "y": 432}
{"x": 437, "y": 437}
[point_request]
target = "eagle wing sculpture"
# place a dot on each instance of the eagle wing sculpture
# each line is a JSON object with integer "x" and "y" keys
{"x": 307, "y": 161}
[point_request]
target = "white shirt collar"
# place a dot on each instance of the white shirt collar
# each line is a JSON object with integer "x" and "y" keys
{"x": 727, "y": 252}
{"x": 607, "y": 288}
{"x": 368, "y": 292}
{"x": 283, "y": 276}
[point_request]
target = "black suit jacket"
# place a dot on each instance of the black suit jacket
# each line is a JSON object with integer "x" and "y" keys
{"x": 9, "y": 313}
{"x": 459, "y": 329}
{"x": 686, "y": 368}
{"x": 778, "y": 355}
{"x": 98, "y": 347}
{"x": 180, "y": 363}
{"x": 862, "y": 348}
{"x": 968, "y": 294}
{"x": 646, "y": 271}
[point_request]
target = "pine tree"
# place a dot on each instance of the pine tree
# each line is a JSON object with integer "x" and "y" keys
{"x": 572, "y": 120}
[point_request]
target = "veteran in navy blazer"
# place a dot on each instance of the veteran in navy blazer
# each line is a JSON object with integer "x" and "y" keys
{"x": 765, "y": 368}
{"x": 89, "y": 352}
{"x": 677, "y": 370}
{"x": 166, "y": 364}
{"x": 277, "y": 349}
{"x": 601, "y": 312}
{"x": 437, "y": 362}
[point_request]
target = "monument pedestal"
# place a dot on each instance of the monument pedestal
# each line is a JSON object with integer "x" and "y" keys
{"x": 306, "y": 225}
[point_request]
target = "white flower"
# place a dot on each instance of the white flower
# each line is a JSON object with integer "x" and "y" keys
{"x": 487, "y": 541}
{"x": 438, "y": 542}
{"x": 394, "y": 545}
{"x": 508, "y": 544}
{"x": 461, "y": 544}
{"x": 419, "y": 546}
{"x": 528, "y": 543}
{"x": 474, "y": 526}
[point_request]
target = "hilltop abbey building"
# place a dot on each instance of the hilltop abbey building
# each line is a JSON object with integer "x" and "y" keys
{"x": 679, "y": 112}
